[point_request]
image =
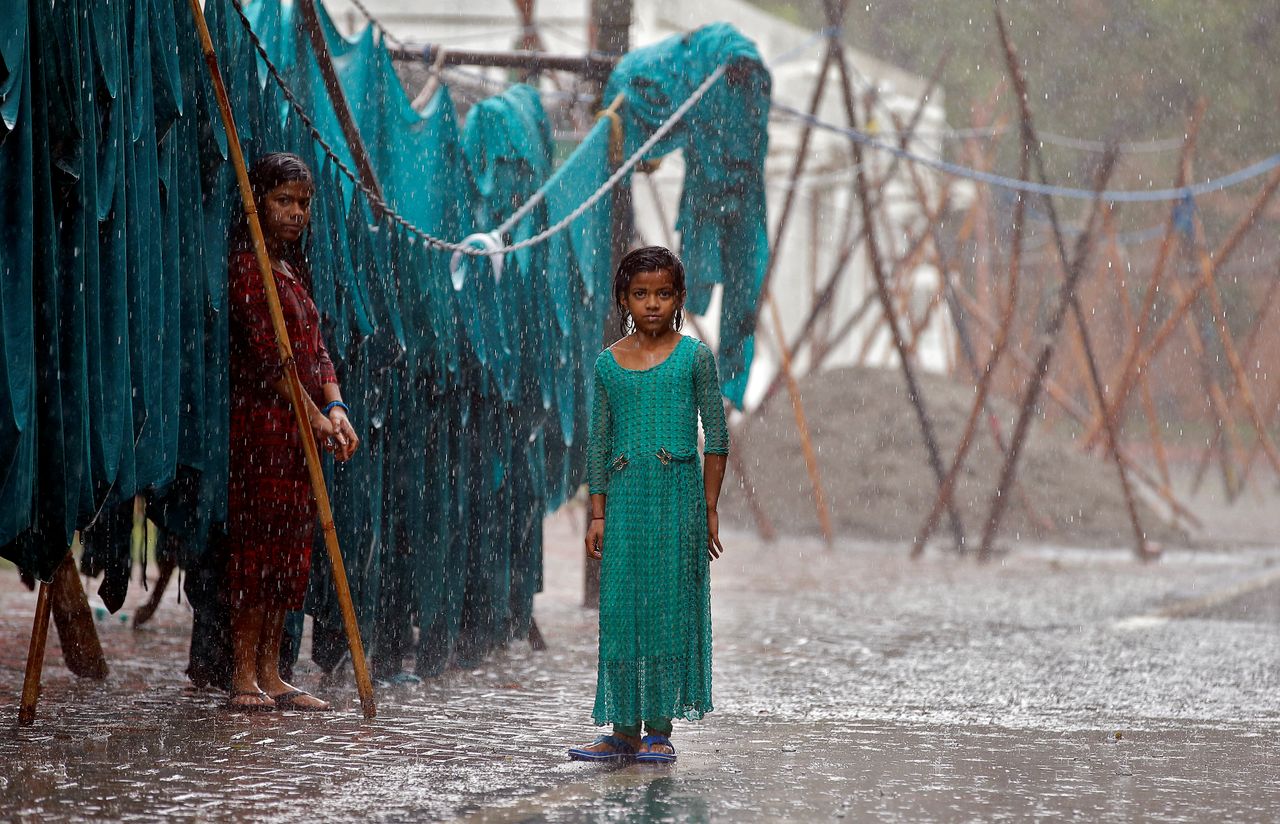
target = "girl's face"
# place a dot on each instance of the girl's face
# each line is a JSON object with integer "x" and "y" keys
{"x": 286, "y": 211}
{"x": 652, "y": 300}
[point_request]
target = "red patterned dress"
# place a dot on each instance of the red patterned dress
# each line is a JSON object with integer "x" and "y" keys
{"x": 271, "y": 510}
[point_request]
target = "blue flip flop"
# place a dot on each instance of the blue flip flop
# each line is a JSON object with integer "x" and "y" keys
{"x": 657, "y": 757}
{"x": 622, "y": 751}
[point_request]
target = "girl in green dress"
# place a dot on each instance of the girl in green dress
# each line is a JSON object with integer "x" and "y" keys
{"x": 653, "y": 514}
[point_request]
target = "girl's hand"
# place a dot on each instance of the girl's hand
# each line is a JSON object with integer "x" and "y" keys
{"x": 344, "y": 435}
{"x": 714, "y": 547}
{"x": 323, "y": 430}
{"x": 595, "y": 538}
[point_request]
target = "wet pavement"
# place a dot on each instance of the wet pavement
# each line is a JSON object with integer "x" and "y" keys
{"x": 850, "y": 684}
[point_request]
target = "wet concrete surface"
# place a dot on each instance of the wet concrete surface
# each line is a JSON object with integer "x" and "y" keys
{"x": 850, "y": 684}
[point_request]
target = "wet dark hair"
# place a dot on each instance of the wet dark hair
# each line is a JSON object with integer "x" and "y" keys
{"x": 646, "y": 259}
{"x": 266, "y": 173}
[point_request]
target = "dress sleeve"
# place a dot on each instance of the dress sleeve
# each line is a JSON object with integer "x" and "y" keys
{"x": 599, "y": 440}
{"x": 325, "y": 364}
{"x": 251, "y": 319}
{"x": 706, "y": 391}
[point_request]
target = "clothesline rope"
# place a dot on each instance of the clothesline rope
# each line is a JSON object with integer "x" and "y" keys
{"x": 480, "y": 243}
{"x": 1113, "y": 196}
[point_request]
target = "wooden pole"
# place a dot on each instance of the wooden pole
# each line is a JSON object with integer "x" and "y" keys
{"x": 946, "y": 489}
{"x": 1076, "y": 412}
{"x": 1069, "y": 301}
{"x": 332, "y": 85}
{"x": 1118, "y": 266}
{"x": 1243, "y": 387}
{"x": 886, "y": 306}
{"x": 802, "y": 427}
{"x": 73, "y": 620}
{"x": 1129, "y": 360}
{"x": 826, "y": 298}
{"x": 1213, "y": 390}
{"x": 610, "y": 34}
{"x": 1251, "y": 341}
{"x": 1175, "y": 317}
{"x": 363, "y": 683}
{"x": 35, "y": 658}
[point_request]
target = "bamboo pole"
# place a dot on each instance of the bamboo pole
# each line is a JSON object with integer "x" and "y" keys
{"x": 363, "y": 683}
{"x": 946, "y": 489}
{"x": 35, "y": 657}
{"x": 1243, "y": 388}
{"x": 1170, "y": 323}
{"x": 73, "y": 621}
{"x": 1118, "y": 267}
{"x": 826, "y": 298}
{"x": 1273, "y": 411}
{"x": 1068, "y": 301}
{"x": 1078, "y": 413}
{"x": 886, "y": 306}
{"x": 1251, "y": 341}
{"x": 802, "y": 427}
{"x": 1130, "y": 366}
{"x": 1213, "y": 390}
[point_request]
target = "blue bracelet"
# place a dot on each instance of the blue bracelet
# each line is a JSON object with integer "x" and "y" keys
{"x": 333, "y": 404}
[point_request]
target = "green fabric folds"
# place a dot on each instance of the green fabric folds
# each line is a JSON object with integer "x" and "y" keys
{"x": 472, "y": 395}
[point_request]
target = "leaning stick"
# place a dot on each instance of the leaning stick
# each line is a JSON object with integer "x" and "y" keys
{"x": 1144, "y": 385}
{"x": 1217, "y": 400}
{"x": 1243, "y": 388}
{"x": 1273, "y": 409}
{"x": 1170, "y": 324}
{"x": 802, "y": 427}
{"x": 1251, "y": 341}
{"x": 363, "y": 683}
{"x": 35, "y": 657}
{"x": 1077, "y": 412}
{"x": 946, "y": 490}
{"x": 1068, "y": 301}
{"x": 1130, "y": 360}
{"x": 890, "y": 316}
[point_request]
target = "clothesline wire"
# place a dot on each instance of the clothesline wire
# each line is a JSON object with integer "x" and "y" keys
{"x": 1113, "y": 196}
{"x": 485, "y": 243}
{"x": 368, "y": 15}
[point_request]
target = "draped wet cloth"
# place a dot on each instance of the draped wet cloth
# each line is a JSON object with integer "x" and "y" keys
{"x": 114, "y": 312}
{"x": 655, "y": 584}
{"x": 724, "y": 140}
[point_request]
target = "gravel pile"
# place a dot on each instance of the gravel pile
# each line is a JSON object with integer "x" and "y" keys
{"x": 876, "y": 473}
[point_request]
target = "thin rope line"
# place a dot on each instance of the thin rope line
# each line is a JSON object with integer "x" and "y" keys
{"x": 480, "y": 243}
{"x": 386, "y": 33}
{"x": 1114, "y": 196}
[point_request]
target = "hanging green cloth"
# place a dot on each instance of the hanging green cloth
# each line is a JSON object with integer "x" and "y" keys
{"x": 724, "y": 139}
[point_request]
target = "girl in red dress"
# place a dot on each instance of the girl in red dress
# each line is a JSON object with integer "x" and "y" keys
{"x": 271, "y": 510}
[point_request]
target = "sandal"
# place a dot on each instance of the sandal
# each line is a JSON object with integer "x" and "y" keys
{"x": 289, "y": 701}
{"x": 654, "y": 757}
{"x": 236, "y": 706}
{"x": 619, "y": 750}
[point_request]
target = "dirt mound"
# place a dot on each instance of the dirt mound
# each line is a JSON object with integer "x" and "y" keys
{"x": 876, "y": 473}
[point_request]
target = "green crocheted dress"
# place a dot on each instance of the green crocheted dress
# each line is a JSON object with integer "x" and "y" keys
{"x": 655, "y": 586}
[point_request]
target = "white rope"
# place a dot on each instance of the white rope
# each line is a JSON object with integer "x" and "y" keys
{"x": 473, "y": 245}
{"x": 490, "y": 243}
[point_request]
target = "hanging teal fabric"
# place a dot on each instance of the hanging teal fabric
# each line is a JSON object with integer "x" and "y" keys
{"x": 113, "y": 318}
{"x": 724, "y": 140}
{"x": 23, "y": 168}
